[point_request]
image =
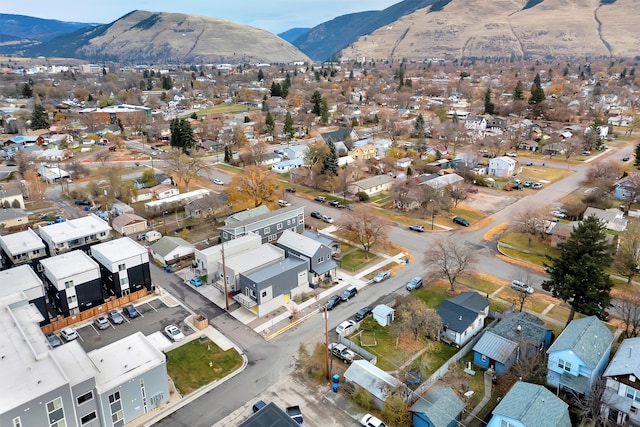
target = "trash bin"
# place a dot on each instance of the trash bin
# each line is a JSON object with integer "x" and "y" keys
{"x": 336, "y": 379}
{"x": 334, "y": 387}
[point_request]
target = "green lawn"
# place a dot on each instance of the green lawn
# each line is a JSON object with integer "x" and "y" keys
{"x": 431, "y": 295}
{"x": 483, "y": 285}
{"x": 224, "y": 108}
{"x": 389, "y": 357}
{"x": 228, "y": 168}
{"x": 497, "y": 306}
{"x": 435, "y": 357}
{"x": 188, "y": 365}
{"x": 524, "y": 256}
{"x": 355, "y": 260}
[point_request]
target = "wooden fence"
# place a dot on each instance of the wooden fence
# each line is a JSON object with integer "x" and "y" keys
{"x": 111, "y": 304}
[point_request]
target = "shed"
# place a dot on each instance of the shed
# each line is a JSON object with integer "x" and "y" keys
{"x": 440, "y": 407}
{"x": 373, "y": 379}
{"x": 383, "y": 314}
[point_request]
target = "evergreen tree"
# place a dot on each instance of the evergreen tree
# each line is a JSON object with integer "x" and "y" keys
{"x": 489, "y": 106}
{"x": 331, "y": 163}
{"x": 27, "y": 90}
{"x": 316, "y": 100}
{"x": 167, "y": 83}
{"x": 288, "y": 125}
{"x": 276, "y": 90}
{"x": 578, "y": 273}
{"x": 227, "y": 154}
{"x": 39, "y": 118}
{"x": 324, "y": 112}
{"x": 269, "y": 123}
{"x": 636, "y": 162}
{"x": 181, "y": 135}
{"x": 260, "y": 75}
{"x": 418, "y": 124}
{"x": 376, "y": 119}
{"x": 518, "y": 92}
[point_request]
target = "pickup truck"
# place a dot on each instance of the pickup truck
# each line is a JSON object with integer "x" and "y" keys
{"x": 342, "y": 352}
{"x": 296, "y": 414}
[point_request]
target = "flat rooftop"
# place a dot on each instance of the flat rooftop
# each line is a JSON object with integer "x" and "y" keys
{"x": 69, "y": 264}
{"x": 248, "y": 260}
{"x": 123, "y": 360}
{"x": 21, "y": 242}
{"x": 75, "y": 228}
{"x": 21, "y": 279}
{"x": 119, "y": 249}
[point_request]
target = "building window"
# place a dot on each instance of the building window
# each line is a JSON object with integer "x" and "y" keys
{"x": 288, "y": 222}
{"x": 68, "y": 284}
{"x": 483, "y": 358}
{"x": 633, "y": 394}
{"x": 124, "y": 281}
{"x": 88, "y": 418}
{"x": 279, "y": 226}
{"x": 115, "y": 406}
{"x": 264, "y": 294}
{"x": 55, "y": 413}
{"x": 633, "y": 410}
{"x": 563, "y": 364}
{"x": 17, "y": 422}
{"x": 267, "y": 230}
{"x": 505, "y": 423}
{"x": 85, "y": 398}
{"x": 122, "y": 267}
{"x": 321, "y": 259}
{"x": 72, "y": 299}
{"x": 272, "y": 237}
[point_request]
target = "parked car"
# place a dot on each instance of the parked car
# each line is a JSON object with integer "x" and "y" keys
{"x": 327, "y": 219}
{"x": 383, "y": 275}
{"x": 350, "y": 292}
{"x": 364, "y": 312}
{"x": 342, "y": 352}
{"x": 295, "y": 414}
{"x": 417, "y": 227}
{"x": 101, "y": 322}
{"x": 537, "y": 186}
{"x": 218, "y": 181}
{"x": 333, "y": 302}
{"x": 68, "y": 334}
{"x": 316, "y": 214}
{"x": 174, "y": 333}
{"x": 528, "y": 184}
{"x": 521, "y": 286}
{"x": 320, "y": 199}
{"x": 334, "y": 203}
{"x": 603, "y": 315}
{"x": 414, "y": 283}
{"x": 625, "y": 159}
{"x": 130, "y": 311}
{"x": 80, "y": 202}
{"x": 54, "y": 340}
{"x": 290, "y": 189}
{"x": 371, "y": 421}
{"x": 196, "y": 282}
{"x": 115, "y": 317}
{"x": 258, "y": 405}
{"x": 529, "y": 164}
{"x": 460, "y": 221}
{"x": 141, "y": 236}
{"x": 345, "y": 327}
{"x": 559, "y": 214}
{"x": 283, "y": 203}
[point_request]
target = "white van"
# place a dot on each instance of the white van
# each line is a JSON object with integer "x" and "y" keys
{"x": 521, "y": 286}
{"x": 153, "y": 236}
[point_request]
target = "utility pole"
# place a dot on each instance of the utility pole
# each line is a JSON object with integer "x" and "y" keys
{"x": 326, "y": 339}
{"x": 224, "y": 277}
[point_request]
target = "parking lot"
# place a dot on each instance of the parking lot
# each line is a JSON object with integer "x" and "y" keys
{"x": 154, "y": 316}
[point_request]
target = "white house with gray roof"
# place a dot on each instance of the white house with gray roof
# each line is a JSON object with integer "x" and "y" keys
{"x": 208, "y": 259}
{"x": 372, "y": 186}
{"x": 244, "y": 262}
{"x": 171, "y": 249}
{"x": 377, "y": 382}
{"x": 578, "y": 357}
{"x": 319, "y": 256}
{"x": 530, "y": 405}
{"x": 622, "y": 376}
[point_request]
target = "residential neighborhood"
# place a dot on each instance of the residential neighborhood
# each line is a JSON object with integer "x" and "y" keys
{"x": 192, "y": 252}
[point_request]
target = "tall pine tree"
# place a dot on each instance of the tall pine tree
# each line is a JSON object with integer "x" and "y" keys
{"x": 288, "y": 126}
{"x": 181, "y": 135}
{"x": 39, "y": 118}
{"x": 331, "y": 163}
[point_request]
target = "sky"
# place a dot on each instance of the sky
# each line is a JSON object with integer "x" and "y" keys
{"x": 275, "y": 16}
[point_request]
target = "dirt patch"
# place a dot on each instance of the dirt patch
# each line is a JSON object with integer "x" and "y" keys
{"x": 488, "y": 202}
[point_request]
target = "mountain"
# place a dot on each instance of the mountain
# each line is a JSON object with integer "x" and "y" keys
{"x": 292, "y": 34}
{"x": 16, "y": 27}
{"x": 506, "y": 28}
{"x": 323, "y": 41}
{"x": 142, "y": 36}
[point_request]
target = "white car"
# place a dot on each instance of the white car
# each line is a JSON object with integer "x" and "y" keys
{"x": 283, "y": 203}
{"x": 327, "y": 219}
{"x": 559, "y": 214}
{"x": 345, "y": 327}
{"x": 174, "y": 333}
{"x": 537, "y": 186}
{"x": 371, "y": 421}
{"x": 68, "y": 334}
{"x": 218, "y": 181}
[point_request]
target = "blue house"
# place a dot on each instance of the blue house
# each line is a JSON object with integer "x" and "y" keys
{"x": 517, "y": 336}
{"x": 440, "y": 407}
{"x": 579, "y": 355}
{"x": 530, "y": 405}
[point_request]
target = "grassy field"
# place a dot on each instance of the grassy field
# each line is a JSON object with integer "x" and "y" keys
{"x": 435, "y": 357}
{"x": 189, "y": 364}
{"x": 534, "y": 302}
{"x": 432, "y": 294}
{"x": 228, "y": 168}
{"x": 486, "y": 285}
{"x": 389, "y": 356}
{"x": 355, "y": 260}
{"x": 225, "y": 108}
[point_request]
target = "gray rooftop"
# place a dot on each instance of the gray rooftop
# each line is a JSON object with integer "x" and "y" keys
{"x": 246, "y": 215}
{"x": 441, "y": 405}
{"x": 21, "y": 279}
{"x": 521, "y": 326}
{"x": 455, "y": 316}
{"x": 322, "y": 238}
{"x": 626, "y": 360}
{"x": 253, "y": 258}
{"x": 588, "y": 337}
{"x": 471, "y": 300}
{"x": 495, "y": 347}
{"x": 269, "y": 416}
{"x": 300, "y": 243}
{"x": 265, "y": 218}
{"x": 373, "y": 181}
{"x": 166, "y": 244}
{"x": 272, "y": 270}
{"x": 534, "y": 406}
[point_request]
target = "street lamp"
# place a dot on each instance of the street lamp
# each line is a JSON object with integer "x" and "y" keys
{"x": 164, "y": 221}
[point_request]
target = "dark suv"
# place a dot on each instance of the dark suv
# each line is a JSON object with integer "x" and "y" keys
{"x": 364, "y": 312}
{"x": 333, "y": 302}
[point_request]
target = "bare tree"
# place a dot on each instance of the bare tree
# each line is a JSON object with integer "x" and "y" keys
{"x": 592, "y": 406}
{"x": 404, "y": 192}
{"x": 449, "y": 259}
{"x": 572, "y": 147}
{"x": 366, "y": 228}
{"x": 459, "y": 193}
{"x": 532, "y": 369}
{"x": 253, "y": 154}
{"x": 186, "y": 167}
{"x": 530, "y": 222}
{"x": 415, "y": 317}
{"x": 604, "y": 174}
{"x": 346, "y": 176}
{"x": 629, "y": 309}
{"x": 103, "y": 156}
{"x": 525, "y": 277}
{"x": 627, "y": 259}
